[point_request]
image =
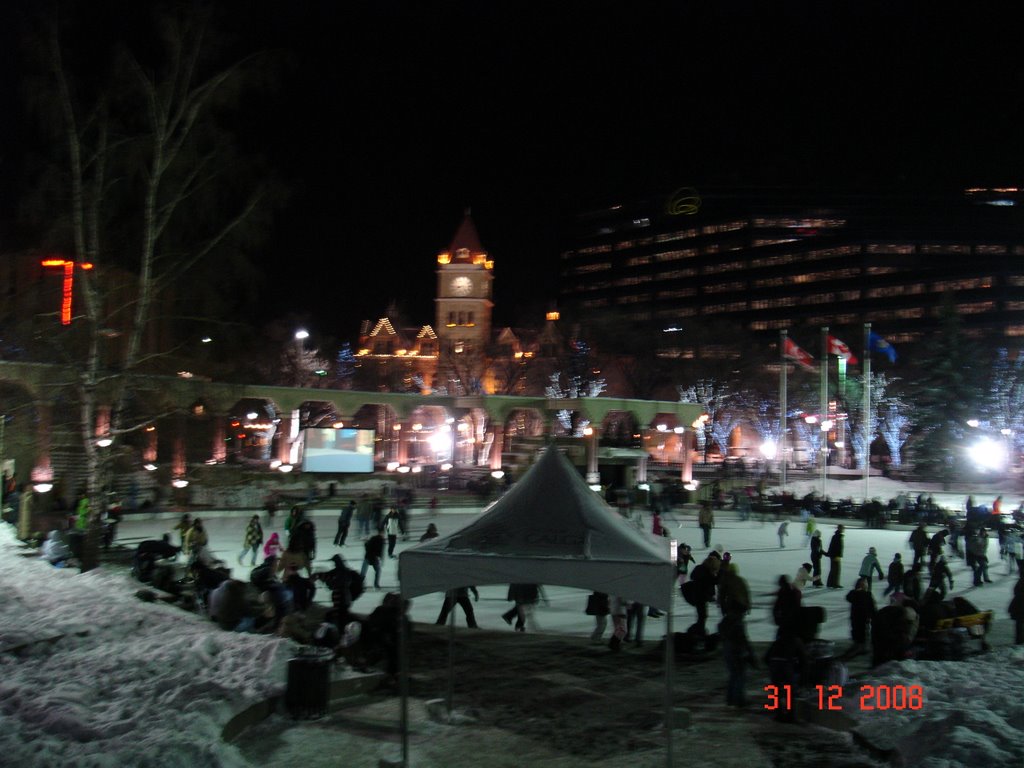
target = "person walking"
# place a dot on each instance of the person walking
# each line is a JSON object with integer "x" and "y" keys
{"x": 977, "y": 547}
{"x": 940, "y": 575}
{"x": 195, "y": 538}
{"x": 363, "y": 511}
{"x": 273, "y": 546}
{"x": 816, "y": 555}
{"x": 835, "y": 558}
{"x": 700, "y": 589}
{"x": 373, "y": 549}
{"x": 809, "y": 528}
{"x": 1017, "y": 611}
{"x": 919, "y": 542}
{"x": 895, "y": 575}
{"x": 253, "y": 539}
{"x": 618, "y": 608}
{"x": 783, "y": 533}
{"x": 183, "y": 527}
{"x": 524, "y": 597}
{"x": 862, "y": 610}
{"x": 912, "y": 583}
{"x": 344, "y": 523}
{"x": 599, "y": 607}
{"x": 459, "y": 596}
{"x": 1014, "y": 552}
{"x": 736, "y": 651}
{"x": 391, "y": 529}
{"x": 706, "y": 521}
{"x": 684, "y": 557}
{"x": 935, "y": 546}
{"x": 869, "y": 565}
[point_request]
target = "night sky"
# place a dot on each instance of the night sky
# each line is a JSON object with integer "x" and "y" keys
{"x": 393, "y": 117}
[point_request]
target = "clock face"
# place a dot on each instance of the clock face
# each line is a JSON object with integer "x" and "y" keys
{"x": 462, "y": 286}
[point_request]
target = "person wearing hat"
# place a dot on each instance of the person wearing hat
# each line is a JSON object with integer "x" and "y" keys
{"x": 346, "y": 586}
{"x": 816, "y": 555}
{"x": 869, "y": 565}
{"x": 862, "y": 610}
{"x": 895, "y": 577}
{"x": 835, "y": 557}
{"x": 700, "y": 589}
{"x": 683, "y": 559}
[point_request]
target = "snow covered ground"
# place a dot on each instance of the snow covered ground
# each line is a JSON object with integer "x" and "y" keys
{"x": 133, "y": 683}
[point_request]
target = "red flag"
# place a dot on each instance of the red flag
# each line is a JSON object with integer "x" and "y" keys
{"x": 836, "y": 347}
{"x": 800, "y": 356}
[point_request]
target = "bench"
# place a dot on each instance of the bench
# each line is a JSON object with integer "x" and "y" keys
{"x": 976, "y": 624}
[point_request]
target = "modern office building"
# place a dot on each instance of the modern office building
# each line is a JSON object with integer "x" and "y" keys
{"x": 770, "y": 259}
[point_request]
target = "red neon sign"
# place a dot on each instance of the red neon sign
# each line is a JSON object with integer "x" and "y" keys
{"x": 69, "y": 280}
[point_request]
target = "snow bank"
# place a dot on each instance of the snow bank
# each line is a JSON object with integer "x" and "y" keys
{"x": 127, "y": 682}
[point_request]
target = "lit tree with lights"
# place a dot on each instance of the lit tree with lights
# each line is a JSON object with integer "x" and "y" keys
{"x": 719, "y": 401}
{"x": 1003, "y": 408}
{"x": 946, "y": 395}
{"x": 894, "y": 426}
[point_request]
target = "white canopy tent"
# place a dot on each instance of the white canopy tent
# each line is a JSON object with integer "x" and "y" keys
{"x": 549, "y": 528}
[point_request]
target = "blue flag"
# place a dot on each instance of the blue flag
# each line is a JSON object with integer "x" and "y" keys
{"x": 877, "y": 344}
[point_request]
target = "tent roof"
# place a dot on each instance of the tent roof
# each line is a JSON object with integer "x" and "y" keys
{"x": 549, "y": 528}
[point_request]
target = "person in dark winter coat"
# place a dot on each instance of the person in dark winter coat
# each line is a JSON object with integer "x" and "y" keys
{"x": 786, "y": 610}
{"x": 460, "y": 596}
{"x": 598, "y": 606}
{"x": 148, "y": 552}
{"x": 524, "y": 597}
{"x": 977, "y": 547}
{"x": 835, "y": 557}
{"x": 684, "y": 558}
{"x": 935, "y": 546}
{"x": 373, "y": 552}
{"x": 919, "y": 542}
{"x": 344, "y": 523}
{"x": 816, "y": 554}
{"x": 940, "y": 574}
{"x": 895, "y": 576}
{"x": 700, "y": 589}
{"x": 1017, "y": 611}
{"x": 862, "y": 609}
{"x": 912, "y": 583}
{"x": 346, "y": 586}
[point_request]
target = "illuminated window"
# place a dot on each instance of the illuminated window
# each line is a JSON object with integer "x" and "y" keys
{"x": 680, "y": 253}
{"x": 990, "y": 249}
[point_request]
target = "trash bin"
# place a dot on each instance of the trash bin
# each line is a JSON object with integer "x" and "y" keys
{"x": 309, "y": 683}
{"x": 819, "y": 656}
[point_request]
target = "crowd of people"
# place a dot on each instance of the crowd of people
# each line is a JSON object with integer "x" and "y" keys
{"x": 282, "y": 586}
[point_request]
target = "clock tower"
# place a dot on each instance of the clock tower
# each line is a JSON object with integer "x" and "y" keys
{"x": 464, "y": 276}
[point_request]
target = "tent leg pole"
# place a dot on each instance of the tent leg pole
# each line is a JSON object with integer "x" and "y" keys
{"x": 669, "y": 654}
{"x": 403, "y": 679}
{"x": 449, "y": 596}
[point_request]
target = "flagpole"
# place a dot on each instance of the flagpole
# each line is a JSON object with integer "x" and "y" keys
{"x": 867, "y": 408}
{"x": 823, "y": 452}
{"x": 781, "y": 451}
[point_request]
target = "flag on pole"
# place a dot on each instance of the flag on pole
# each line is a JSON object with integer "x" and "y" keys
{"x": 836, "y": 347}
{"x": 877, "y": 344}
{"x": 801, "y": 356}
